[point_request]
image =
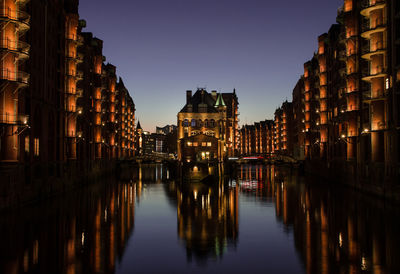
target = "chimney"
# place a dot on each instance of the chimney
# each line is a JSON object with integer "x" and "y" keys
{"x": 188, "y": 96}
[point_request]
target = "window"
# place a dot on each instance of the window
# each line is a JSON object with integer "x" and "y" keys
{"x": 193, "y": 122}
{"x": 387, "y": 83}
{"x": 27, "y": 144}
{"x": 195, "y": 144}
{"x": 189, "y": 144}
{"x": 36, "y": 146}
{"x": 212, "y": 123}
{"x": 206, "y": 123}
{"x": 209, "y": 144}
{"x": 186, "y": 123}
{"x": 204, "y": 144}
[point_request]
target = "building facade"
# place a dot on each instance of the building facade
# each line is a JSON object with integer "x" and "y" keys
{"x": 207, "y": 126}
{"x": 344, "y": 118}
{"x": 60, "y": 116}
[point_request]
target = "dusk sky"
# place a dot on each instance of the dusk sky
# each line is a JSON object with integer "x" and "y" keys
{"x": 162, "y": 48}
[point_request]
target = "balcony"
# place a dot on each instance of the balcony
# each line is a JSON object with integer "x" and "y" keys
{"x": 377, "y": 96}
{"x": 15, "y": 46}
{"x": 375, "y": 72}
{"x": 10, "y": 119}
{"x": 19, "y": 77}
{"x": 351, "y": 71}
{"x": 78, "y": 57}
{"x": 371, "y": 5}
{"x": 21, "y": 18}
{"x": 22, "y": 2}
{"x": 373, "y": 49}
{"x": 351, "y": 52}
{"x": 377, "y": 126}
{"x": 368, "y": 30}
{"x": 71, "y": 109}
{"x": 79, "y": 75}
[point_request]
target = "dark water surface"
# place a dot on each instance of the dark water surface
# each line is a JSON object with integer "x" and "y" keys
{"x": 261, "y": 220}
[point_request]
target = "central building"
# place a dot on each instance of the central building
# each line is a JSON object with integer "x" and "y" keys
{"x": 208, "y": 126}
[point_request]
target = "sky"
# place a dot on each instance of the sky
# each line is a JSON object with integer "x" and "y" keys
{"x": 162, "y": 48}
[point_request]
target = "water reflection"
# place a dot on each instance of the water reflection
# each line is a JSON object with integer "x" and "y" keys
{"x": 336, "y": 230}
{"x": 207, "y": 218}
{"x": 331, "y": 229}
{"x": 83, "y": 233}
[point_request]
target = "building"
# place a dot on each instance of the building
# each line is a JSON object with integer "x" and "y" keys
{"x": 206, "y": 131}
{"x": 344, "y": 116}
{"x": 166, "y": 129}
{"x": 62, "y": 113}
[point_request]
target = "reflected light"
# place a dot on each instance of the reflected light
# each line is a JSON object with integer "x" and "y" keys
{"x": 83, "y": 238}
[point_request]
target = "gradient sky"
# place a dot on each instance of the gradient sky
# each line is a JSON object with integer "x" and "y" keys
{"x": 162, "y": 48}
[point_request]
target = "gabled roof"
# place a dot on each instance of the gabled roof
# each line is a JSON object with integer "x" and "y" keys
{"x": 198, "y": 99}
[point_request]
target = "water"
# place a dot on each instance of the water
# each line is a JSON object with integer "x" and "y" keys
{"x": 261, "y": 220}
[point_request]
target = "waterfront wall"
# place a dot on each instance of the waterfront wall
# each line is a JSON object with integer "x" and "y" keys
{"x": 25, "y": 184}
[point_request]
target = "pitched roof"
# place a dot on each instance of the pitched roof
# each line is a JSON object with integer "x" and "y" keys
{"x": 201, "y": 97}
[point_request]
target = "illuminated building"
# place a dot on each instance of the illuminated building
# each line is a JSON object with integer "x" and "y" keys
{"x": 207, "y": 126}
{"x": 58, "y": 111}
{"x": 346, "y": 105}
{"x": 257, "y": 139}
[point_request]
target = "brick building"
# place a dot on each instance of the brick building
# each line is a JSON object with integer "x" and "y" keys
{"x": 58, "y": 111}
{"x": 207, "y": 126}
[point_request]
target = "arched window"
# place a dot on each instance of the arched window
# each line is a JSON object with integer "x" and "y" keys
{"x": 206, "y": 123}
{"x": 200, "y": 123}
{"x": 212, "y": 123}
{"x": 186, "y": 123}
{"x": 193, "y": 122}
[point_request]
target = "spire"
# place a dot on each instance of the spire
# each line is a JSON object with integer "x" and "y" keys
{"x": 220, "y": 101}
{"x": 138, "y": 125}
{"x": 234, "y": 91}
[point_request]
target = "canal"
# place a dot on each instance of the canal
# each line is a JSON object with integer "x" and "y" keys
{"x": 261, "y": 219}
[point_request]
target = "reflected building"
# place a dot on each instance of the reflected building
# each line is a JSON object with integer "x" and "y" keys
{"x": 63, "y": 236}
{"x": 338, "y": 231}
{"x": 335, "y": 230}
{"x": 207, "y": 219}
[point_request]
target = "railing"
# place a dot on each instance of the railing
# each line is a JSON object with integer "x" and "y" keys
{"x": 371, "y": 25}
{"x": 79, "y": 74}
{"x": 351, "y": 52}
{"x": 19, "y": 76}
{"x": 15, "y": 45}
{"x": 371, "y": 3}
{"x": 70, "y": 108}
{"x": 70, "y": 91}
{"x": 379, "y": 94}
{"x": 15, "y": 15}
{"x": 14, "y": 119}
{"x": 376, "y": 70}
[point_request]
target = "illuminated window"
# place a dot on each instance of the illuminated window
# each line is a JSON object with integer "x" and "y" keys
{"x": 189, "y": 144}
{"x": 387, "y": 83}
{"x": 204, "y": 144}
{"x": 36, "y": 146}
{"x": 27, "y": 144}
{"x": 209, "y": 144}
{"x": 195, "y": 144}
